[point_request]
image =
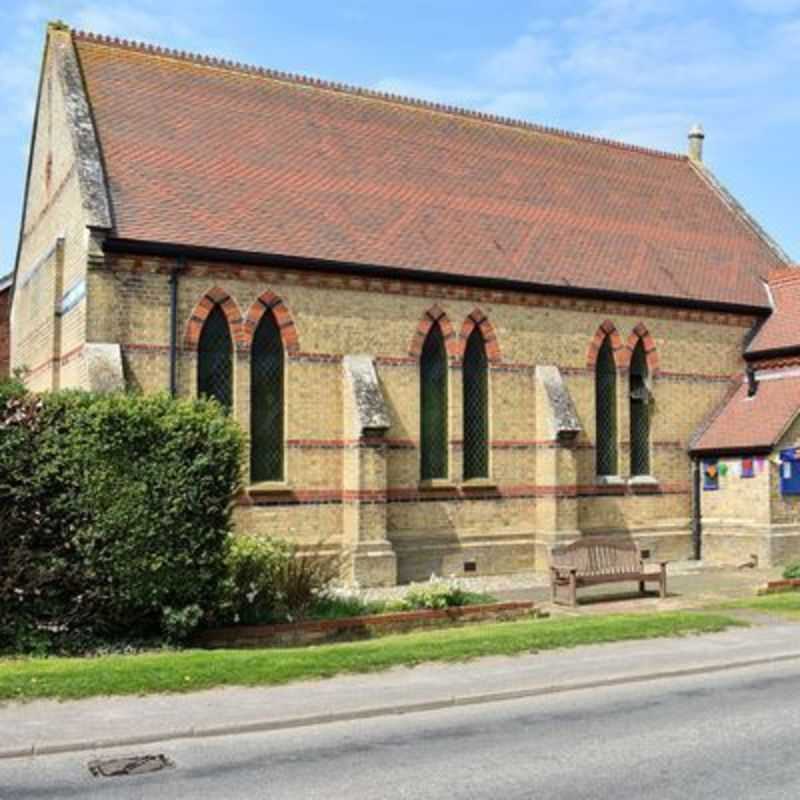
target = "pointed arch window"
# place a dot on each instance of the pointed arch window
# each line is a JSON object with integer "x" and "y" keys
{"x": 639, "y": 412}
{"x": 433, "y": 406}
{"x": 476, "y": 408}
{"x": 266, "y": 401}
{"x": 215, "y": 359}
{"x": 606, "y": 410}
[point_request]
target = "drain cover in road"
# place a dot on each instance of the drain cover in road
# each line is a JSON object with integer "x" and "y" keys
{"x": 129, "y": 765}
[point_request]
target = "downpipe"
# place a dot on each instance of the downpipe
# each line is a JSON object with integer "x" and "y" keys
{"x": 180, "y": 265}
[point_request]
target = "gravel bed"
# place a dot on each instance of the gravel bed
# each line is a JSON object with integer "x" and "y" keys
{"x": 492, "y": 584}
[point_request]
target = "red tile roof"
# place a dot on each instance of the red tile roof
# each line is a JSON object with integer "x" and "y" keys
{"x": 745, "y": 424}
{"x": 201, "y": 152}
{"x": 781, "y": 331}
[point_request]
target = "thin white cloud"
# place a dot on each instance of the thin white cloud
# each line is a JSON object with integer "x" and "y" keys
{"x": 638, "y": 70}
{"x": 529, "y": 59}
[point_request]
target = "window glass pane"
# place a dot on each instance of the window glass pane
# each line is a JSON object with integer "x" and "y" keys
{"x": 606, "y": 410}
{"x": 215, "y": 359}
{"x": 476, "y": 408}
{"x": 640, "y": 413}
{"x": 433, "y": 406}
{"x": 266, "y": 402}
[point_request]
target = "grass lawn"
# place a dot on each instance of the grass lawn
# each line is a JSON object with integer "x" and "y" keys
{"x": 190, "y": 670}
{"x": 785, "y": 604}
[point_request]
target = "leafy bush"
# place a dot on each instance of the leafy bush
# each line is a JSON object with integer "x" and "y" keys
{"x": 180, "y": 623}
{"x": 438, "y": 594}
{"x": 272, "y": 580}
{"x": 792, "y": 570}
{"x": 252, "y": 590}
{"x": 113, "y": 508}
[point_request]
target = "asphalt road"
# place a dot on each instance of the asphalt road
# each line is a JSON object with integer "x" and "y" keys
{"x": 727, "y": 735}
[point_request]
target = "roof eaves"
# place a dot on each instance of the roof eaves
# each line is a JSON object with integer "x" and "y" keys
{"x": 754, "y": 449}
{"x": 5, "y": 282}
{"x": 773, "y": 352}
{"x": 114, "y": 244}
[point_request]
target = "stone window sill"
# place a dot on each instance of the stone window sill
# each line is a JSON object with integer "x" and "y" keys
{"x": 269, "y": 487}
{"x": 437, "y": 483}
{"x": 479, "y": 483}
{"x": 642, "y": 480}
{"x": 610, "y": 480}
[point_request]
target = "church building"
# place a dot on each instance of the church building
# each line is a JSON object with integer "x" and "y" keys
{"x": 452, "y": 339}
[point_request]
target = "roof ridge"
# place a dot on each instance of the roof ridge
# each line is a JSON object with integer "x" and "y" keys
{"x": 360, "y": 91}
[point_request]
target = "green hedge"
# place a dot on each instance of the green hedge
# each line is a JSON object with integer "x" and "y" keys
{"x": 114, "y": 515}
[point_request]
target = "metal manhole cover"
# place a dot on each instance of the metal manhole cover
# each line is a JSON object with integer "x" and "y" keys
{"x": 129, "y": 765}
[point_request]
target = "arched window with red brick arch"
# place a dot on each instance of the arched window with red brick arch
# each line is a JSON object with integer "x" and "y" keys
{"x": 266, "y": 400}
{"x": 433, "y": 373}
{"x": 215, "y": 359}
{"x": 639, "y": 400}
{"x": 475, "y": 382}
{"x": 605, "y": 387}
{"x": 213, "y": 329}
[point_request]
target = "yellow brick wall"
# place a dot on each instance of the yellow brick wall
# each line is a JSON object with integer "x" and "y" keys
{"x": 437, "y": 530}
{"x": 53, "y": 252}
{"x": 736, "y": 517}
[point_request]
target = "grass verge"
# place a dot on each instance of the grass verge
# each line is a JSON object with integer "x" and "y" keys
{"x": 191, "y": 670}
{"x": 785, "y": 604}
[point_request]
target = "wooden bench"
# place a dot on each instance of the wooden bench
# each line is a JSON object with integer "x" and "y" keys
{"x": 601, "y": 559}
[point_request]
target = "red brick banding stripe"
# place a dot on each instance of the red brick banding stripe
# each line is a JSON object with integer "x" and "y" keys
{"x": 434, "y": 316}
{"x": 269, "y": 303}
{"x": 477, "y": 319}
{"x": 214, "y": 297}
{"x": 606, "y": 330}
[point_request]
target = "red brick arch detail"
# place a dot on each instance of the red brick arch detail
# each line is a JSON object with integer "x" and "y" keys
{"x": 607, "y": 329}
{"x": 212, "y": 298}
{"x": 477, "y": 319}
{"x": 266, "y": 302}
{"x": 434, "y": 316}
{"x": 640, "y": 333}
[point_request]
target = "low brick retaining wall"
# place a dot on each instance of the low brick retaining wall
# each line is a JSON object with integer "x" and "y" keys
{"x": 785, "y": 585}
{"x": 349, "y": 628}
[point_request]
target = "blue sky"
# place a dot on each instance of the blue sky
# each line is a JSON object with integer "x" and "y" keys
{"x": 638, "y": 70}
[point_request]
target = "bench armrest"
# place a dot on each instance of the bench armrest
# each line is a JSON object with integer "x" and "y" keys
{"x": 566, "y": 570}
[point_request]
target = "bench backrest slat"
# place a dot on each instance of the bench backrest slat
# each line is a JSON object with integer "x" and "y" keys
{"x": 596, "y": 555}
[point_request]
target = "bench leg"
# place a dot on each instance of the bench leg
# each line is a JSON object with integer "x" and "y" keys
{"x": 641, "y": 587}
{"x": 573, "y": 589}
{"x": 662, "y": 583}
